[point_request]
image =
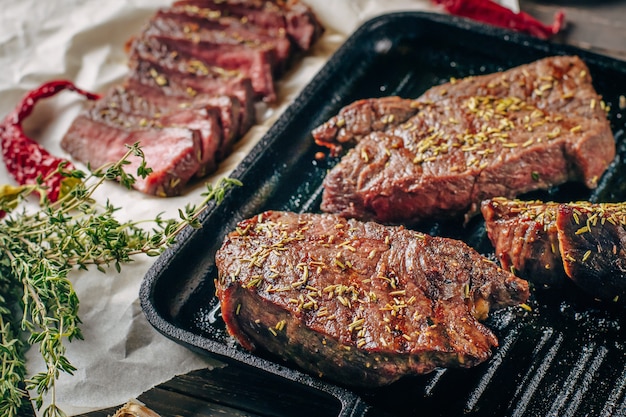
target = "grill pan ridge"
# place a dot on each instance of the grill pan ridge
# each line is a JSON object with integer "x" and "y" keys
{"x": 566, "y": 357}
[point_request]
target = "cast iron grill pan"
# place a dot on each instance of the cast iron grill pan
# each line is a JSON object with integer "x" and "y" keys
{"x": 567, "y": 357}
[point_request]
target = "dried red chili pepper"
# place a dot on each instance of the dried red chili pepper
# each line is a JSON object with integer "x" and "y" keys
{"x": 488, "y": 11}
{"x": 25, "y": 159}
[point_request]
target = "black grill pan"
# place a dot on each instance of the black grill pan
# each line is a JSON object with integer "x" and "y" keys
{"x": 566, "y": 357}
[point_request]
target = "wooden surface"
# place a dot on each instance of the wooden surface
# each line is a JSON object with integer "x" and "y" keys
{"x": 598, "y": 25}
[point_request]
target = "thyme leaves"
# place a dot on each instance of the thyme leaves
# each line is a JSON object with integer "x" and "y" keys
{"x": 40, "y": 249}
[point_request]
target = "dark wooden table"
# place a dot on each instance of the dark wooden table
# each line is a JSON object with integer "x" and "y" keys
{"x": 597, "y": 25}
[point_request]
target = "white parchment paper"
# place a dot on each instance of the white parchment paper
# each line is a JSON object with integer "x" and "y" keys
{"x": 83, "y": 41}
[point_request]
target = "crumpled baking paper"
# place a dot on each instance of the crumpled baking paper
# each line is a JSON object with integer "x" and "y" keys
{"x": 83, "y": 41}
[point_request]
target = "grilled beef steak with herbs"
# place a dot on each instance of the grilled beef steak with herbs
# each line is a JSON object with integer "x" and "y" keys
{"x": 555, "y": 84}
{"x": 544, "y": 242}
{"x": 359, "y": 303}
{"x": 440, "y": 155}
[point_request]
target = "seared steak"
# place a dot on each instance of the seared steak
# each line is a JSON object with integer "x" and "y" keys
{"x": 453, "y": 154}
{"x": 525, "y": 238}
{"x": 359, "y": 303}
{"x": 197, "y": 24}
{"x": 542, "y": 241}
{"x": 359, "y": 119}
{"x": 294, "y": 18}
{"x": 441, "y": 158}
{"x": 556, "y": 84}
{"x": 171, "y": 151}
{"x": 196, "y": 74}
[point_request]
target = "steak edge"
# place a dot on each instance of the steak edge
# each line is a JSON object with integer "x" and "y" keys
{"x": 549, "y": 242}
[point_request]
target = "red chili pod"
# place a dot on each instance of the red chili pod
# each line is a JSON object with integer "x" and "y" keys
{"x": 488, "y": 11}
{"x": 25, "y": 159}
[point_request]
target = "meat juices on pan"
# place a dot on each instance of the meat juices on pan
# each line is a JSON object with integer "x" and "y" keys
{"x": 359, "y": 303}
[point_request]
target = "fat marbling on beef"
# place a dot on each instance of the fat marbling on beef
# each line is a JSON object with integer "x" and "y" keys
{"x": 545, "y": 242}
{"x": 359, "y": 303}
{"x": 441, "y": 154}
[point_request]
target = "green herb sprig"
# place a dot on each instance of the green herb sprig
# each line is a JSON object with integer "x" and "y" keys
{"x": 38, "y": 252}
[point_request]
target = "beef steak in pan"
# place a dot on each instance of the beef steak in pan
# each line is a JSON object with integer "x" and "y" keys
{"x": 440, "y": 155}
{"x": 546, "y": 242}
{"x": 359, "y": 303}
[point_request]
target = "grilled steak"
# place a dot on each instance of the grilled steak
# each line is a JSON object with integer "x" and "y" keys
{"x": 171, "y": 151}
{"x": 544, "y": 242}
{"x": 448, "y": 158}
{"x": 556, "y": 84}
{"x": 359, "y": 119}
{"x": 359, "y": 303}
{"x": 198, "y": 24}
{"x": 441, "y": 158}
{"x": 196, "y": 74}
{"x": 294, "y": 18}
{"x": 525, "y": 238}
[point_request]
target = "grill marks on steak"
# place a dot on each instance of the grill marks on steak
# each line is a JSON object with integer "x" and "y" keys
{"x": 442, "y": 154}
{"x": 544, "y": 242}
{"x": 360, "y": 303}
{"x": 196, "y": 72}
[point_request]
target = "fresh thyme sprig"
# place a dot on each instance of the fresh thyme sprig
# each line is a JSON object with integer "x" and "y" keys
{"x": 38, "y": 252}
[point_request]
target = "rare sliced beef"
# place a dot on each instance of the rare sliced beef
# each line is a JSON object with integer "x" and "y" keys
{"x": 359, "y": 303}
{"x": 294, "y": 18}
{"x": 583, "y": 241}
{"x": 152, "y": 100}
{"x": 120, "y": 107}
{"x": 255, "y": 63}
{"x": 179, "y": 76}
{"x": 196, "y": 74}
{"x": 171, "y": 152}
{"x": 455, "y": 153}
{"x": 199, "y": 25}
